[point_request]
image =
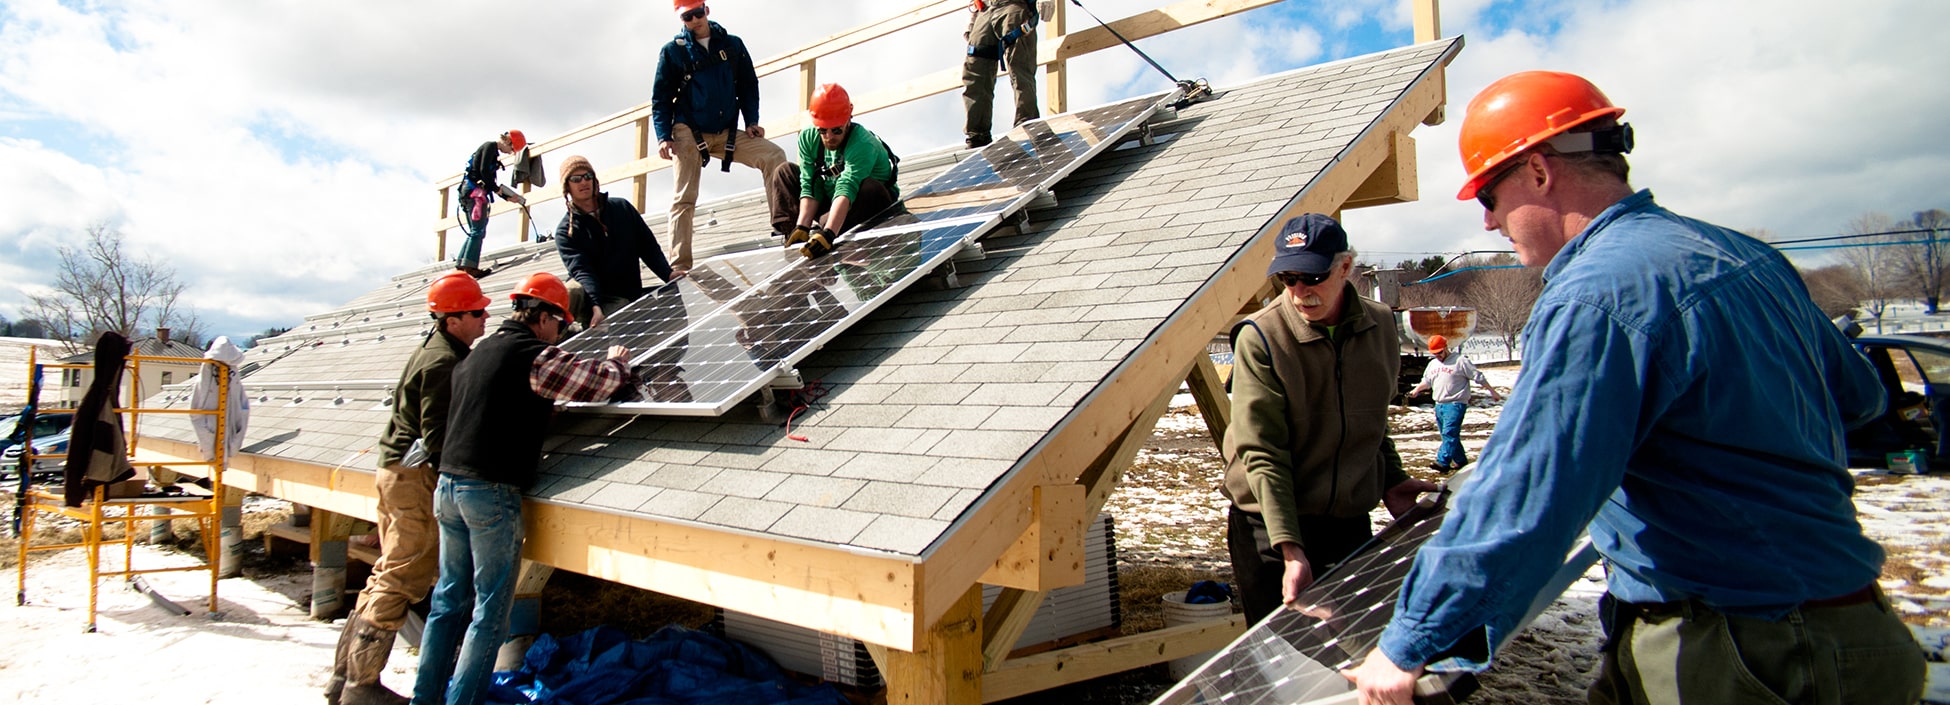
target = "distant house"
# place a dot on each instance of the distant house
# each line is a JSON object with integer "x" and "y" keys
{"x": 154, "y": 375}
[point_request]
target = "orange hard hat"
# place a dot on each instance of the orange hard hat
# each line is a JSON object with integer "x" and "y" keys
{"x": 455, "y": 292}
{"x": 1517, "y": 112}
{"x": 1438, "y": 344}
{"x": 683, "y": 6}
{"x": 830, "y": 106}
{"x": 515, "y": 138}
{"x": 548, "y": 288}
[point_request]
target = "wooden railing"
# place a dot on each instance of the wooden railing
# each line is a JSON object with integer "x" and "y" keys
{"x": 1057, "y": 46}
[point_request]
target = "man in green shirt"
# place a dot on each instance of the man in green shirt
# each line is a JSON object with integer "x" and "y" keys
{"x": 851, "y": 177}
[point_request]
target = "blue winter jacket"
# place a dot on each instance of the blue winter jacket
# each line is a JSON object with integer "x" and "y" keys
{"x": 1683, "y": 397}
{"x": 722, "y": 86}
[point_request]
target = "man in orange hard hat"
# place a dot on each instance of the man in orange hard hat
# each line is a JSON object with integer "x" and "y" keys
{"x": 999, "y": 32}
{"x": 849, "y": 176}
{"x": 409, "y": 451}
{"x": 478, "y": 187}
{"x": 705, "y": 84}
{"x": 508, "y": 386}
{"x": 1684, "y": 401}
{"x": 1447, "y": 377}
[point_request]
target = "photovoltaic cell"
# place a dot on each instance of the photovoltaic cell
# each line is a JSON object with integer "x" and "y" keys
{"x": 1295, "y": 655}
{"x": 702, "y": 343}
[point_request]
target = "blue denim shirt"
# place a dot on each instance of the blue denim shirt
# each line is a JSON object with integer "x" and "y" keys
{"x": 1683, "y": 397}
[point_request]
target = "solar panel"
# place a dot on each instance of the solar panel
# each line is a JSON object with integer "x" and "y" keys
{"x": 740, "y": 322}
{"x": 1295, "y": 655}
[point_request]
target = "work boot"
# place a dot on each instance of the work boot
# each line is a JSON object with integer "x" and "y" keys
{"x": 975, "y": 141}
{"x": 340, "y": 657}
{"x": 365, "y": 659}
{"x": 373, "y": 694}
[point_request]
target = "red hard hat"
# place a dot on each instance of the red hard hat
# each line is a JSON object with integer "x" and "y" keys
{"x": 455, "y": 292}
{"x": 1520, "y": 110}
{"x": 683, "y": 6}
{"x": 516, "y": 138}
{"x": 1438, "y": 344}
{"x": 830, "y": 106}
{"x": 548, "y": 288}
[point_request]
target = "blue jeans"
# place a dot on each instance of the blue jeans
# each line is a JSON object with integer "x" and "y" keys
{"x": 1448, "y": 420}
{"x": 480, "y": 557}
{"x": 476, "y": 230}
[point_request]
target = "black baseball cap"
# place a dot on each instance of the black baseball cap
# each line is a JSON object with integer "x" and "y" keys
{"x": 1307, "y": 244}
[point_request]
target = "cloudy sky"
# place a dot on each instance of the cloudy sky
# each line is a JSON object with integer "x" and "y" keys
{"x": 280, "y": 154}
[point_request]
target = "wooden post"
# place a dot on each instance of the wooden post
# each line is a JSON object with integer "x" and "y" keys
{"x": 808, "y": 82}
{"x": 1056, "y": 82}
{"x": 440, "y": 234}
{"x": 945, "y": 668}
{"x": 640, "y": 185}
{"x": 1428, "y": 28}
{"x": 524, "y": 620}
{"x": 329, "y": 531}
{"x": 1210, "y": 393}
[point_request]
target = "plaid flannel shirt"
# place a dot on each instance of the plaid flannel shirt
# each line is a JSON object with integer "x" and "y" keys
{"x": 558, "y": 375}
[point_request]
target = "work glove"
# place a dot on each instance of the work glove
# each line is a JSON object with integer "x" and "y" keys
{"x": 819, "y": 242}
{"x": 798, "y": 235}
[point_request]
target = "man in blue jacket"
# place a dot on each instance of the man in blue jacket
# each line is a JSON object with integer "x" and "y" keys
{"x": 1684, "y": 400}
{"x": 705, "y": 85}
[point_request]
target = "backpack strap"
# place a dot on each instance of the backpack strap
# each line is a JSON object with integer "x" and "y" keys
{"x": 1234, "y": 339}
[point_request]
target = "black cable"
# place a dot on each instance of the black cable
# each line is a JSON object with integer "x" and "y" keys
{"x": 1127, "y": 42}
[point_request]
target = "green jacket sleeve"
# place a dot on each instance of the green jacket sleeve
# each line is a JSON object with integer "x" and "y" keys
{"x": 1262, "y": 437}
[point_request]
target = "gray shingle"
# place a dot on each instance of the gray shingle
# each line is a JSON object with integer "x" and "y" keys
{"x": 905, "y": 535}
{"x": 679, "y": 504}
{"x": 754, "y": 514}
{"x": 885, "y": 466}
{"x": 821, "y": 524}
{"x": 625, "y": 497}
{"x": 947, "y": 416}
{"x": 816, "y": 491}
{"x": 742, "y": 483}
{"x": 899, "y": 498}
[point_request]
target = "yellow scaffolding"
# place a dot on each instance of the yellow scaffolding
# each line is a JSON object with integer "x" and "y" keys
{"x": 104, "y": 509}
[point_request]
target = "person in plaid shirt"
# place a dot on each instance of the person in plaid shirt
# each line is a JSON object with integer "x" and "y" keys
{"x": 503, "y": 395}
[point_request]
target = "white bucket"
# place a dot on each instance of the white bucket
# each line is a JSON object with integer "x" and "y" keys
{"x": 1178, "y": 613}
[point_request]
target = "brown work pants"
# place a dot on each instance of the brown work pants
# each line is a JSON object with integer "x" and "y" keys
{"x": 985, "y": 32}
{"x": 688, "y": 168}
{"x": 782, "y": 192}
{"x": 409, "y": 546}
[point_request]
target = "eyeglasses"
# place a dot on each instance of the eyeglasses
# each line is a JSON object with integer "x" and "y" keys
{"x": 581, "y": 176}
{"x": 478, "y": 314}
{"x": 834, "y": 131}
{"x": 689, "y": 15}
{"x": 1292, "y": 278}
{"x": 1483, "y": 194}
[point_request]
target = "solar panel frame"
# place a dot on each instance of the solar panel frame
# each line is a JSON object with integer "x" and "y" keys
{"x": 973, "y": 197}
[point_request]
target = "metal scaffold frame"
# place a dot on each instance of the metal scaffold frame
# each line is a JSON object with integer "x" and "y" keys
{"x": 103, "y": 509}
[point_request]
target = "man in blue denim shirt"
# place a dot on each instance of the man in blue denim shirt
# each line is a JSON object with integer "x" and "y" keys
{"x": 1683, "y": 398}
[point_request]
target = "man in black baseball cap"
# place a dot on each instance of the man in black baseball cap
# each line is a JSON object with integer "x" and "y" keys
{"x": 1308, "y": 453}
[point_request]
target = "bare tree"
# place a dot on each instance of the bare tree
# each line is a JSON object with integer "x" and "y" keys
{"x": 1836, "y": 289}
{"x": 1876, "y": 261}
{"x": 1922, "y": 257}
{"x": 1503, "y": 299}
{"x": 101, "y": 287}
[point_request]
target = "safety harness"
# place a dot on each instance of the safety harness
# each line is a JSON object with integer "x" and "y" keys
{"x": 683, "y": 96}
{"x": 994, "y": 51}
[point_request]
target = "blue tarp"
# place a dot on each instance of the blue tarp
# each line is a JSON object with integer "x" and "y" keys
{"x": 676, "y": 665}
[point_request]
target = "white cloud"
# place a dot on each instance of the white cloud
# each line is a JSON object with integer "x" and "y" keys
{"x": 281, "y": 153}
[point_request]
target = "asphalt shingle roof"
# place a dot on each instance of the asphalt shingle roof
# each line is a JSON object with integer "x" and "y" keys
{"x": 938, "y": 394}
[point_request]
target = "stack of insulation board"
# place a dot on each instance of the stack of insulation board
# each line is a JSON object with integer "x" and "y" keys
{"x": 1066, "y": 612}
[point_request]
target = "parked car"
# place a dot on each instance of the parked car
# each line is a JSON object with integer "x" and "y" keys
{"x": 46, "y": 424}
{"x": 51, "y": 445}
{"x": 1915, "y": 371}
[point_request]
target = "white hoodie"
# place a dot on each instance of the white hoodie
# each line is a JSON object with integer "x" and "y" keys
{"x": 204, "y": 396}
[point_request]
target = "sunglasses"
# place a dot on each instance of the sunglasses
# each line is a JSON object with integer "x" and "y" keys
{"x": 834, "y": 131}
{"x": 694, "y": 14}
{"x": 1483, "y": 195}
{"x": 1292, "y": 278}
{"x": 478, "y": 314}
{"x": 580, "y": 177}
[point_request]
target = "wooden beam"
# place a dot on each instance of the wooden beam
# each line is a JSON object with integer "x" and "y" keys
{"x": 1393, "y": 181}
{"x": 644, "y": 139}
{"x": 1005, "y": 622}
{"x": 862, "y": 595}
{"x": 1049, "y": 554}
{"x": 862, "y": 34}
{"x": 1031, "y": 674}
{"x": 1428, "y": 28}
{"x": 945, "y": 667}
{"x": 1056, "y": 78}
{"x": 1209, "y": 390}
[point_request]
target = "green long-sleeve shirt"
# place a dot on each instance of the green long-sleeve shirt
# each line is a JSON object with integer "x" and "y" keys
{"x": 862, "y": 156}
